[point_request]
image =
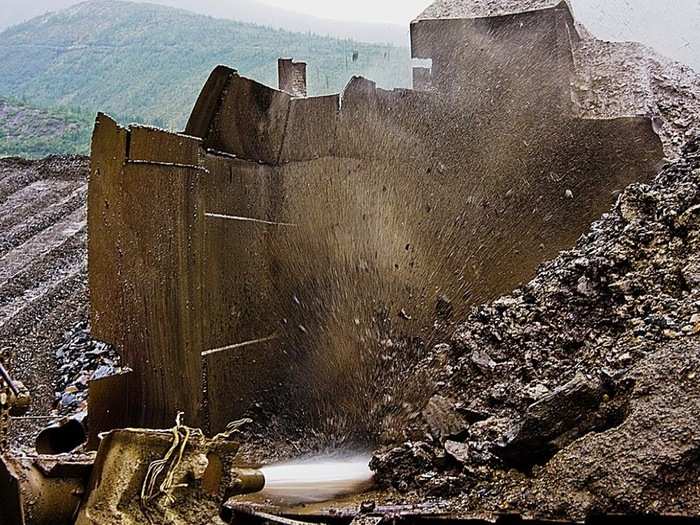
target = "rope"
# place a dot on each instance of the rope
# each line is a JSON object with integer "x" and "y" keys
{"x": 160, "y": 476}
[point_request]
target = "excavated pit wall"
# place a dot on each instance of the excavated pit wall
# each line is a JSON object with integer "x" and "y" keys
{"x": 302, "y": 234}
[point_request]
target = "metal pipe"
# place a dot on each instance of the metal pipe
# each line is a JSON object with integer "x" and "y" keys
{"x": 62, "y": 436}
{"x": 246, "y": 481}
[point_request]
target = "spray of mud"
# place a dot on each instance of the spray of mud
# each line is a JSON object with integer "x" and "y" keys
{"x": 378, "y": 267}
{"x": 366, "y": 263}
{"x": 317, "y": 479}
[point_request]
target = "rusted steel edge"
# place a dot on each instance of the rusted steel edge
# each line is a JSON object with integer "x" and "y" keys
{"x": 168, "y": 165}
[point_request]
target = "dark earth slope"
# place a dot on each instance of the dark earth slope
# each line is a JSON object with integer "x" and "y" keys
{"x": 580, "y": 392}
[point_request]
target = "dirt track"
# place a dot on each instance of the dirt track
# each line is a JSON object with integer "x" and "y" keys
{"x": 43, "y": 266}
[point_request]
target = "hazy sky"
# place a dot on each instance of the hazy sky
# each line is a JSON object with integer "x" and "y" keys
{"x": 392, "y": 11}
{"x": 670, "y": 26}
{"x": 653, "y": 12}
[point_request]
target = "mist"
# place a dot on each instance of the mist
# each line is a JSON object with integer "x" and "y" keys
{"x": 672, "y": 27}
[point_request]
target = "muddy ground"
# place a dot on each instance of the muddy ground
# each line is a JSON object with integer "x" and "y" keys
{"x": 43, "y": 270}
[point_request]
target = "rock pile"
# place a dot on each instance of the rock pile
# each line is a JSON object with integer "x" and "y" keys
{"x": 81, "y": 359}
{"x": 579, "y": 392}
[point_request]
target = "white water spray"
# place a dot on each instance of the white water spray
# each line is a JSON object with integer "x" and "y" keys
{"x": 317, "y": 479}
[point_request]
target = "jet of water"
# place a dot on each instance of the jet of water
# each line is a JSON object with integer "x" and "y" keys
{"x": 317, "y": 479}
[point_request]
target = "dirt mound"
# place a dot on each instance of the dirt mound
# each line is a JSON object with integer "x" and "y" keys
{"x": 578, "y": 393}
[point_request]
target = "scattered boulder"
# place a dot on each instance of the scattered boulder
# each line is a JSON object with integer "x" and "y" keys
{"x": 483, "y": 361}
{"x": 472, "y": 453}
{"x": 554, "y": 422}
{"x": 81, "y": 359}
{"x": 535, "y": 391}
{"x": 444, "y": 419}
{"x": 458, "y": 451}
{"x": 400, "y": 467}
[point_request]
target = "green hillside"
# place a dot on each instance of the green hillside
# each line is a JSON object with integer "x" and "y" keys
{"x": 129, "y": 58}
{"x": 30, "y": 132}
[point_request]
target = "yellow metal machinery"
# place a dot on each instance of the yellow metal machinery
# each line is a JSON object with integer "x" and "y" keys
{"x": 178, "y": 474}
{"x": 34, "y": 489}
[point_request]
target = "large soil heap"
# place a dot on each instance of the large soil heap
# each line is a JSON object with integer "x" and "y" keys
{"x": 580, "y": 392}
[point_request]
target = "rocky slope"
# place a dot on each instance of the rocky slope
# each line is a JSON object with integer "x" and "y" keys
{"x": 580, "y": 392}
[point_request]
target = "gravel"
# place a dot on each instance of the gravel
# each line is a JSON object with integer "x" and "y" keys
{"x": 43, "y": 272}
{"x": 81, "y": 359}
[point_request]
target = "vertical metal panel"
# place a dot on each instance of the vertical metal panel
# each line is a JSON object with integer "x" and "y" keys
{"x": 250, "y": 122}
{"x": 109, "y": 151}
{"x": 162, "y": 291}
{"x": 239, "y": 300}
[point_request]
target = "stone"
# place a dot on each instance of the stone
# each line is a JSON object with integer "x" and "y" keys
{"x": 483, "y": 361}
{"x": 553, "y": 422}
{"x": 69, "y": 400}
{"x": 585, "y": 287}
{"x": 489, "y": 430}
{"x": 458, "y": 451}
{"x": 443, "y": 418}
{"x": 535, "y": 391}
{"x": 400, "y": 466}
{"x": 499, "y": 393}
{"x": 103, "y": 371}
{"x": 444, "y": 308}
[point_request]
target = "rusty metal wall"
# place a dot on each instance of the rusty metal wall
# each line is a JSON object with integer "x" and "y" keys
{"x": 289, "y": 232}
{"x": 145, "y": 247}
